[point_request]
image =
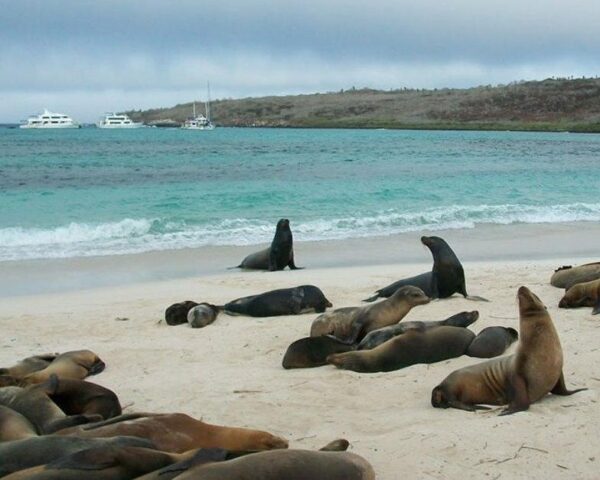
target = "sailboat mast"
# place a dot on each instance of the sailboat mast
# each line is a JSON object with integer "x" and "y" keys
{"x": 207, "y": 105}
{"x": 194, "y": 109}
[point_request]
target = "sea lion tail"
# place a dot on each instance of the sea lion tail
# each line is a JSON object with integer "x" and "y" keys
{"x": 238, "y": 266}
{"x": 373, "y": 298}
{"x": 476, "y": 298}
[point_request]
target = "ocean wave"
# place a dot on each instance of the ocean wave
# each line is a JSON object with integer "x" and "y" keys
{"x": 141, "y": 235}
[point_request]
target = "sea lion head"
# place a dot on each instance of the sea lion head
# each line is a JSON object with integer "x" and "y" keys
{"x": 433, "y": 242}
{"x": 283, "y": 224}
{"x": 529, "y": 303}
{"x": 573, "y": 297}
{"x": 513, "y": 333}
{"x": 439, "y": 399}
{"x": 413, "y": 295}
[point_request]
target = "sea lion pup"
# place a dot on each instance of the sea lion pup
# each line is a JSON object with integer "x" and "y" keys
{"x": 29, "y": 365}
{"x": 278, "y": 256}
{"x": 351, "y": 324}
{"x": 76, "y": 364}
{"x": 313, "y": 351}
{"x": 567, "y": 276}
{"x": 288, "y": 465}
{"x": 34, "y": 404}
{"x": 583, "y": 295}
{"x": 377, "y": 337}
{"x": 30, "y": 452}
{"x": 492, "y": 342}
{"x": 517, "y": 380}
{"x": 446, "y": 278}
{"x": 76, "y": 397}
{"x": 177, "y": 432}
{"x": 285, "y": 301}
{"x": 410, "y": 348}
{"x": 177, "y": 313}
{"x": 202, "y": 315}
{"x": 14, "y": 426}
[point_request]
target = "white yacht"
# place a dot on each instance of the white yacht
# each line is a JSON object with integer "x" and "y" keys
{"x": 113, "y": 120}
{"x": 200, "y": 122}
{"x": 50, "y": 120}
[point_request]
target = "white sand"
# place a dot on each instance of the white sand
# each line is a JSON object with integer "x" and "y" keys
{"x": 230, "y": 372}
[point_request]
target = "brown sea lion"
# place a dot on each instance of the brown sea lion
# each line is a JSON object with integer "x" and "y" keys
{"x": 351, "y": 324}
{"x": 76, "y": 364}
{"x": 446, "y": 278}
{"x": 14, "y": 426}
{"x": 492, "y": 342}
{"x": 177, "y": 313}
{"x": 377, "y": 337}
{"x": 288, "y": 465}
{"x": 202, "y": 315}
{"x": 29, "y": 365}
{"x": 410, "y": 348}
{"x": 177, "y": 432}
{"x": 567, "y": 276}
{"x": 583, "y": 295}
{"x": 313, "y": 351}
{"x": 517, "y": 380}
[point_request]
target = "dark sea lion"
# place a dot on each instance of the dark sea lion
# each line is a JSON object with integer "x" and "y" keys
{"x": 288, "y": 465}
{"x": 30, "y": 452}
{"x": 285, "y": 301}
{"x": 76, "y": 364}
{"x": 177, "y": 313}
{"x": 446, "y": 278}
{"x": 29, "y": 365}
{"x": 313, "y": 351}
{"x": 202, "y": 315}
{"x": 278, "y": 256}
{"x": 351, "y": 324}
{"x": 14, "y": 426}
{"x": 517, "y": 380}
{"x": 377, "y": 337}
{"x": 177, "y": 432}
{"x": 492, "y": 342}
{"x": 567, "y": 276}
{"x": 583, "y": 295}
{"x": 410, "y": 348}
{"x": 75, "y": 397}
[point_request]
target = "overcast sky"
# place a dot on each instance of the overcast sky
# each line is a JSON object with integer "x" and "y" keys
{"x": 85, "y": 57}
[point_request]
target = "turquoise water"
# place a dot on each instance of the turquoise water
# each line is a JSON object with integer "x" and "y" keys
{"x": 94, "y": 192}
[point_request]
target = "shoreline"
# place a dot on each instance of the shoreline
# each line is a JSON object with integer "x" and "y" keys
{"x": 568, "y": 242}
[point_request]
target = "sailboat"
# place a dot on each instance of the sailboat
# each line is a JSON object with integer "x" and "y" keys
{"x": 200, "y": 122}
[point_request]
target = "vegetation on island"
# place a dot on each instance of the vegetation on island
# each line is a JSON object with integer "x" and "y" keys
{"x": 554, "y": 104}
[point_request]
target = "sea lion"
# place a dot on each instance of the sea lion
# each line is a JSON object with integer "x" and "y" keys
{"x": 29, "y": 365}
{"x": 30, "y": 452}
{"x": 288, "y": 465}
{"x": 567, "y": 276}
{"x": 34, "y": 404}
{"x": 410, "y": 348}
{"x": 351, "y": 324}
{"x": 278, "y": 256}
{"x": 76, "y": 364}
{"x": 14, "y": 426}
{"x": 492, "y": 342}
{"x": 377, "y": 337}
{"x": 177, "y": 432}
{"x": 313, "y": 351}
{"x": 75, "y": 397}
{"x": 285, "y": 301}
{"x": 446, "y": 278}
{"x": 202, "y": 315}
{"x": 517, "y": 380}
{"x": 177, "y": 313}
{"x": 583, "y": 295}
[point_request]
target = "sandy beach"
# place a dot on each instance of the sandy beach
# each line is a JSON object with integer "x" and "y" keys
{"x": 230, "y": 372}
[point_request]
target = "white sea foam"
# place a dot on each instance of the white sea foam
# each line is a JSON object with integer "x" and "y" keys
{"x": 140, "y": 235}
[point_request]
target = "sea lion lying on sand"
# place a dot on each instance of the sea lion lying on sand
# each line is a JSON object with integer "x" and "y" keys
{"x": 492, "y": 342}
{"x": 567, "y": 276}
{"x": 313, "y": 351}
{"x": 177, "y": 313}
{"x": 202, "y": 315}
{"x": 29, "y": 365}
{"x": 76, "y": 364}
{"x": 583, "y": 295}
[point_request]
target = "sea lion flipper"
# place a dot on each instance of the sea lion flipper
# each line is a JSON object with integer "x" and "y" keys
{"x": 476, "y": 298}
{"x": 465, "y": 406}
{"x": 339, "y": 445}
{"x": 519, "y": 398}
{"x": 596, "y": 309}
{"x": 561, "y": 388}
{"x": 372, "y": 298}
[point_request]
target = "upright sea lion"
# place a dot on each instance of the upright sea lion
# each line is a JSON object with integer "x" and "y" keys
{"x": 14, "y": 426}
{"x": 414, "y": 346}
{"x": 313, "y": 351}
{"x": 177, "y": 432}
{"x": 351, "y": 324}
{"x": 517, "y": 380}
{"x": 29, "y": 365}
{"x": 202, "y": 315}
{"x": 567, "y": 276}
{"x": 377, "y": 337}
{"x": 76, "y": 364}
{"x": 492, "y": 342}
{"x": 30, "y": 452}
{"x": 446, "y": 278}
{"x": 177, "y": 313}
{"x": 285, "y": 301}
{"x": 278, "y": 256}
{"x": 583, "y": 295}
